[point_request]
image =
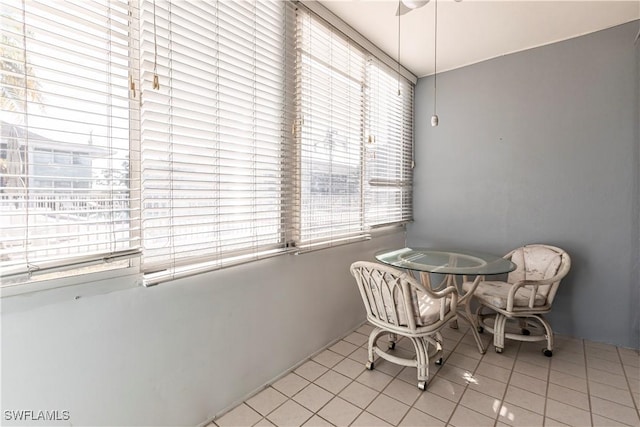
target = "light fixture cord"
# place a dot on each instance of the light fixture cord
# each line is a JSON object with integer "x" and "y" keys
{"x": 399, "y": 14}
{"x": 435, "y": 59}
{"x": 156, "y": 80}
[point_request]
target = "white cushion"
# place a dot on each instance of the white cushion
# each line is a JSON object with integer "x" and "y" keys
{"x": 428, "y": 308}
{"x": 495, "y": 294}
{"x": 535, "y": 263}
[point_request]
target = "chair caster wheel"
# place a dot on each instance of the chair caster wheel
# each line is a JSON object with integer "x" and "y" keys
{"x": 480, "y": 329}
{"x": 498, "y": 350}
{"x": 392, "y": 345}
{"x": 422, "y": 385}
{"x": 439, "y": 362}
{"x": 526, "y": 331}
{"x": 369, "y": 366}
{"x": 547, "y": 352}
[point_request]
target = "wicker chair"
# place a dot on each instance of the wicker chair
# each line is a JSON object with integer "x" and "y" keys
{"x": 525, "y": 297}
{"x": 398, "y": 305}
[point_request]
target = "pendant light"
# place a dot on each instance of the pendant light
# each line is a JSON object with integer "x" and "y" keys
{"x": 434, "y": 118}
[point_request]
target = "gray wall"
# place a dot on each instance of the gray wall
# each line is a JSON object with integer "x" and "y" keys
{"x": 541, "y": 146}
{"x": 180, "y": 352}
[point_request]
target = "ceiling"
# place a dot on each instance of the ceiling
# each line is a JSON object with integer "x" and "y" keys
{"x": 471, "y": 31}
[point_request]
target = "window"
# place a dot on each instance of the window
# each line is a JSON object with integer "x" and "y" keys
{"x": 270, "y": 132}
{"x": 65, "y": 70}
{"x": 355, "y": 138}
{"x": 216, "y": 134}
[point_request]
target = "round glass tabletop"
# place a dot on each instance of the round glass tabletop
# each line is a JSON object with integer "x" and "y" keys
{"x": 445, "y": 261}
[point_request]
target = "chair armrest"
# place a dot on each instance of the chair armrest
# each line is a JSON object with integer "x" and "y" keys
{"x": 534, "y": 283}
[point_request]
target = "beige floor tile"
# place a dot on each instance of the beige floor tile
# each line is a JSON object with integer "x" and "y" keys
{"x": 525, "y": 399}
{"x": 615, "y": 411}
{"x": 290, "y": 414}
{"x": 569, "y": 356}
{"x": 388, "y": 409}
{"x": 532, "y": 370}
{"x": 264, "y": 423}
{"x": 409, "y": 375}
{"x": 607, "y": 353}
{"x": 402, "y": 391}
{"x": 502, "y": 360}
{"x": 516, "y": 416}
{"x": 290, "y": 384}
{"x": 619, "y": 381}
{"x": 313, "y": 397}
{"x": 600, "y": 356}
{"x": 488, "y": 386}
{"x": 344, "y": 348}
{"x": 328, "y": 358}
{"x": 567, "y": 414}
{"x": 365, "y": 329}
{"x": 240, "y": 416}
{"x": 481, "y": 403}
{"x": 266, "y": 401}
{"x": 374, "y": 379}
{"x": 574, "y": 369}
{"x": 605, "y": 365}
{"x": 445, "y": 388}
{"x": 629, "y": 357}
{"x": 360, "y": 355}
{"x": 311, "y": 370}
{"x": 358, "y": 394}
{"x": 356, "y": 338}
{"x": 535, "y": 358}
{"x": 493, "y": 371}
{"x": 415, "y": 418}
{"x": 387, "y": 367}
{"x": 435, "y": 405}
{"x": 569, "y": 396}
{"x": 333, "y": 381}
{"x": 349, "y": 368}
{"x": 526, "y": 382}
{"x": 454, "y": 373}
{"x": 463, "y": 362}
{"x": 464, "y": 417}
{"x": 468, "y": 350}
{"x": 366, "y": 419}
{"x": 550, "y": 422}
{"x": 632, "y": 373}
{"x": 613, "y": 394}
{"x": 593, "y": 346}
{"x": 317, "y": 421}
{"x": 599, "y": 421}
{"x": 563, "y": 343}
{"x": 339, "y": 412}
{"x": 569, "y": 381}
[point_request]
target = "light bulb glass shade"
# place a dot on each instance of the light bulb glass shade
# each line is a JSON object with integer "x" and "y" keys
{"x": 414, "y": 4}
{"x": 434, "y": 120}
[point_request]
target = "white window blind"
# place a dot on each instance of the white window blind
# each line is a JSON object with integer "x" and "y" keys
{"x": 331, "y": 76}
{"x": 66, "y": 197}
{"x": 389, "y": 147}
{"x": 355, "y": 138}
{"x": 215, "y": 134}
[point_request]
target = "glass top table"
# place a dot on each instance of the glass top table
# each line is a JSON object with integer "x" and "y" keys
{"x": 445, "y": 261}
{"x": 452, "y": 264}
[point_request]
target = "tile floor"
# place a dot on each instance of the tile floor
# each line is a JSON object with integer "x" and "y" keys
{"x": 583, "y": 384}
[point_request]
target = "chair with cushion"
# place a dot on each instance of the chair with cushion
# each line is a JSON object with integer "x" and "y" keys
{"x": 524, "y": 298}
{"x": 398, "y": 305}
